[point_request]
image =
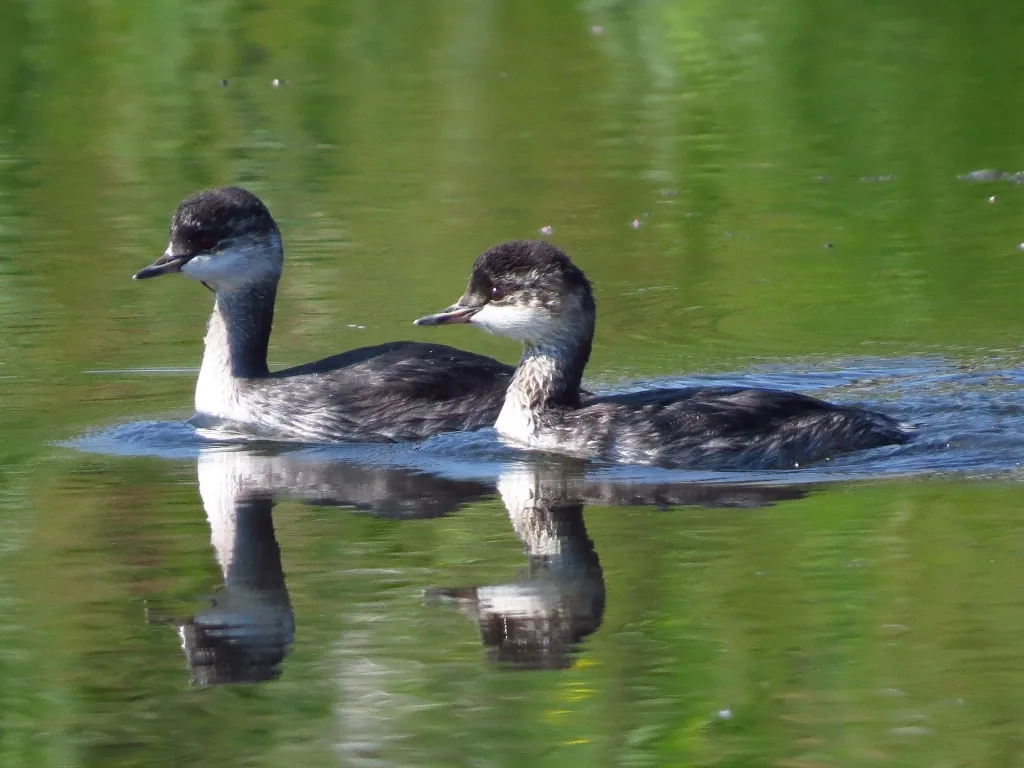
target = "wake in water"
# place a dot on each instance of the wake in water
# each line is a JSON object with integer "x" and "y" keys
{"x": 966, "y": 421}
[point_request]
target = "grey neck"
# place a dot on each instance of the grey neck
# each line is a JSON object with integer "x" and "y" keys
{"x": 549, "y": 374}
{"x": 239, "y": 331}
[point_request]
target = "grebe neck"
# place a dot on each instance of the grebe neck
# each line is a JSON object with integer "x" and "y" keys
{"x": 548, "y": 378}
{"x": 235, "y": 347}
{"x": 239, "y": 332}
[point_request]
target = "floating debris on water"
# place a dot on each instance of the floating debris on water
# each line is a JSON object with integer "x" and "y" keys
{"x": 546, "y": 230}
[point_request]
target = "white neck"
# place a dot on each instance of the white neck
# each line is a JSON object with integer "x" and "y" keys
{"x": 547, "y": 379}
{"x": 235, "y": 348}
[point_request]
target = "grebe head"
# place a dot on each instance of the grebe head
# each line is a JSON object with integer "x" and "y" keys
{"x": 224, "y": 238}
{"x": 527, "y": 290}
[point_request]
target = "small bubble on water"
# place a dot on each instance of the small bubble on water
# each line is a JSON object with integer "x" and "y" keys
{"x": 724, "y": 714}
{"x": 546, "y": 230}
{"x": 992, "y": 199}
{"x": 1020, "y": 247}
{"x": 635, "y": 224}
{"x": 277, "y": 82}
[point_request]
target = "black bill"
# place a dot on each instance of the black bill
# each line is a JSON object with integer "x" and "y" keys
{"x": 166, "y": 264}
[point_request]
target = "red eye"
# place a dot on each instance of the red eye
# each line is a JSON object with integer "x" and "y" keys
{"x": 497, "y": 294}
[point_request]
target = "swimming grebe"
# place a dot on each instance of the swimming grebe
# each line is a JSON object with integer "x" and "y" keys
{"x": 227, "y": 240}
{"x": 530, "y": 291}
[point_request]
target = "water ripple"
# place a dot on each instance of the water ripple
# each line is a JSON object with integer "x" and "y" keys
{"x": 967, "y": 420}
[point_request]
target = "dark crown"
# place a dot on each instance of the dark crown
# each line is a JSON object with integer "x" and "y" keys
{"x": 516, "y": 262}
{"x": 207, "y": 218}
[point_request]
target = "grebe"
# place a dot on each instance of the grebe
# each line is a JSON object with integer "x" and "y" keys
{"x": 227, "y": 240}
{"x": 530, "y": 291}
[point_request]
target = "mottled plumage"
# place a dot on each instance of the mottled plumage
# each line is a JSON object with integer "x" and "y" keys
{"x": 531, "y": 291}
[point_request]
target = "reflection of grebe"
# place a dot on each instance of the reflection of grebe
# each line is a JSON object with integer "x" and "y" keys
{"x": 530, "y": 291}
{"x": 227, "y": 240}
{"x": 537, "y": 621}
{"x": 248, "y": 626}
{"x": 245, "y": 630}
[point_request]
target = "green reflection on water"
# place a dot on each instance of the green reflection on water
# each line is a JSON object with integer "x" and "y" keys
{"x": 798, "y": 164}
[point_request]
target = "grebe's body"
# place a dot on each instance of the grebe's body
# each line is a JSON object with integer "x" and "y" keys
{"x": 532, "y": 292}
{"x": 402, "y": 391}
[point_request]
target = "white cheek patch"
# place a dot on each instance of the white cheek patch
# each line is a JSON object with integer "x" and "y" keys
{"x": 520, "y": 323}
{"x": 209, "y": 268}
{"x": 234, "y": 267}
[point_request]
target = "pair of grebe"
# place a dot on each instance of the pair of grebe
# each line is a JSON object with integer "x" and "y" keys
{"x": 525, "y": 290}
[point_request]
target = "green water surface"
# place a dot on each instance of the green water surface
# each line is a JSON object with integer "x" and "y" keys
{"x": 747, "y": 184}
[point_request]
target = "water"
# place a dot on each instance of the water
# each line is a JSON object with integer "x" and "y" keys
{"x": 823, "y": 199}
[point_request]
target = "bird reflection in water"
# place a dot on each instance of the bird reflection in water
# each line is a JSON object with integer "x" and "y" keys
{"x": 246, "y": 628}
{"x": 538, "y": 620}
{"x": 558, "y": 599}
